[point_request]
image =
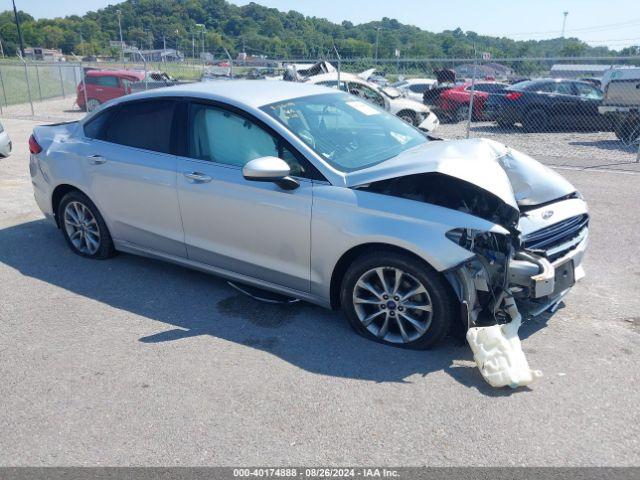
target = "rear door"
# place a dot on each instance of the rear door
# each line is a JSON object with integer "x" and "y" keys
{"x": 252, "y": 228}
{"x": 133, "y": 174}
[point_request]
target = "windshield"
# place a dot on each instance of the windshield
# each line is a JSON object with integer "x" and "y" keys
{"x": 349, "y": 133}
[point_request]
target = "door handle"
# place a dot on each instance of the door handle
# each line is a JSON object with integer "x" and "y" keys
{"x": 198, "y": 177}
{"x": 97, "y": 160}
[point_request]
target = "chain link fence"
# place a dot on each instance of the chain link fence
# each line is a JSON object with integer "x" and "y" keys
{"x": 581, "y": 112}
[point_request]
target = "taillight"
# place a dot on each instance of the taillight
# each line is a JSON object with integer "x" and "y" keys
{"x": 513, "y": 95}
{"x": 34, "y": 147}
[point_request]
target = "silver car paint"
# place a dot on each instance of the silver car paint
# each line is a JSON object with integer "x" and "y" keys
{"x": 254, "y": 247}
{"x": 252, "y": 228}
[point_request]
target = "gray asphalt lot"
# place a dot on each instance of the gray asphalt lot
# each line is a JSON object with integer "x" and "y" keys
{"x": 136, "y": 362}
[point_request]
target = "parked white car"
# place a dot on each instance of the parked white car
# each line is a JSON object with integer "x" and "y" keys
{"x": 5, "y": 142}
{"x": 389, "y": 98}
{"x": 414, "y": 88}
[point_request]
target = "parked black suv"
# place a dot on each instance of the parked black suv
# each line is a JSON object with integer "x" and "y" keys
{"x": 540, "y": 105}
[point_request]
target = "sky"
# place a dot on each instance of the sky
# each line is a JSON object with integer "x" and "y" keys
{"x": 615, "y": 23}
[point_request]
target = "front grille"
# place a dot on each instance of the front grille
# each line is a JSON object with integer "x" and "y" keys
{"x": 551, "y": 240}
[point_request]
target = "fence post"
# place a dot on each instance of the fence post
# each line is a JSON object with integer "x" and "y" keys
{"x": 39, "y": 86}
{"x": 4, "y": 92}
{"x": 473, "y": 92}
{"x": 26, "y": 77}
{"x": 62, "y": 81}
{"x": 84, "y": 88}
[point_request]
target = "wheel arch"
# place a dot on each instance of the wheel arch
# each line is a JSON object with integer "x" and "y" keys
{"x": 347, "y": 258}
{"x": 413, "y": 113}
{"x": 58, "y": 194}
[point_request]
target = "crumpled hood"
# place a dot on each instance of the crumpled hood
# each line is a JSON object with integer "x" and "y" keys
{"x": 512, "y": 176}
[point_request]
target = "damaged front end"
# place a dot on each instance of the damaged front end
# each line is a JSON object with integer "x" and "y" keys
{"x": 516, "y": 274}
{"x": 522, "y": 267}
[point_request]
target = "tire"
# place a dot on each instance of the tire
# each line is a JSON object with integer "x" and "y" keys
{"x": 462, "y": 114}
{"x": 628, "y": 130}
{"x": 536, "y": 121}
{"x": 92, "y": 104}
{"x": 408, "y": 117}
{"x": 83, "y": 227}
{"x": 369, "y": 315}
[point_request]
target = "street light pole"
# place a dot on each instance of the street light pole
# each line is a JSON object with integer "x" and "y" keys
{"x": 121, "y": 42}
{"x": 564, "y": 23}
{"x": 15, "y": 13}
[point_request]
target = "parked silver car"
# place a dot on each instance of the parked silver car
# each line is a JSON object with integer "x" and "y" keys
{"x": 314, "y": 194}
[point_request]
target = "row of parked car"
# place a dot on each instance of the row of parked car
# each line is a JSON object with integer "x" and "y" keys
{"x": 538, "y": 105}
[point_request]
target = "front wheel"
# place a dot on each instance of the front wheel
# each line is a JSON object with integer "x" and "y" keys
{"x": 394, "y": 299}
{"x": 83, "y": 227}
{"x": 408, "y": 117}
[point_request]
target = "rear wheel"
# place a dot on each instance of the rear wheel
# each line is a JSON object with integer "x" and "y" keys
{"x": 83, "y": 227}
{"x": 92, "y": 104}
{"x": 536, "y": 121}
{"x": 393, "y": 299}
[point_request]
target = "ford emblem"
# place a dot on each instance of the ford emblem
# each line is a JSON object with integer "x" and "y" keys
{"x": 547, "y": 215}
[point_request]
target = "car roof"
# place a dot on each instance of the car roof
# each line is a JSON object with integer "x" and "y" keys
{"x": 115, "y": 73}
{"x": 248, "y": 93}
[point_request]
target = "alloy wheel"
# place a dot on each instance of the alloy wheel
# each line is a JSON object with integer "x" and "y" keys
{"x": 82, "y": 228}
{"x": 392, "y": 305}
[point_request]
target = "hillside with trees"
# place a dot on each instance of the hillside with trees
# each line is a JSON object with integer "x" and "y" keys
{"x": 265, "y": 31}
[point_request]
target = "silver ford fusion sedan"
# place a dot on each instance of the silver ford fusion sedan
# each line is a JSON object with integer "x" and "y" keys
{"x": 318, "y": 195}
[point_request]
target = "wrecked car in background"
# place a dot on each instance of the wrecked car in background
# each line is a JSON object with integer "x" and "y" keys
{"x": 318, "y": 195}
{"x": 387, "y": 97}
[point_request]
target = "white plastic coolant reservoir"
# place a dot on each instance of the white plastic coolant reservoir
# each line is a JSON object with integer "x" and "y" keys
{"x": 498, "y": 353}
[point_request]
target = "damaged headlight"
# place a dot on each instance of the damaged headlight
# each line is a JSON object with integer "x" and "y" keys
{"x": 472, "y": 240}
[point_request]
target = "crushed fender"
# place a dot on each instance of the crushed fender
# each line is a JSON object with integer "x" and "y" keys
{"x": 498, "y": 352}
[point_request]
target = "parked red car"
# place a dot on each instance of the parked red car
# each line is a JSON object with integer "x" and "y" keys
{"x": 454, "y": 103}
{"x": 103, "y": 85}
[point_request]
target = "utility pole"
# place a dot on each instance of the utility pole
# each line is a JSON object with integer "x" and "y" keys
{"x": 15, "y": 13}
{"x": 377, "y": 41}
{"x": 193, "y": 45}
{"x": 203, "y": 29}
{"x": 564, "y": 22}
{"x": 119, "y": 12}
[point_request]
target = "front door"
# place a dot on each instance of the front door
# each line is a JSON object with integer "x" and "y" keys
{"x": 252, "y": 228}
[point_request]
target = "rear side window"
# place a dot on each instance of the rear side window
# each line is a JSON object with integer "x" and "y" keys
{"x": 145, "y": 125}
{"x": 95, "y": 127}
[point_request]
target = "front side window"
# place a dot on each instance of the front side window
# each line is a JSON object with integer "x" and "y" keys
{"x": 108, "y": 81}
{"x": 587, "y": 91}
{"x": 144, "y": 125}
{"x": 564, "y": 88}
{"x": 349, "y": 133}
{"x": 220, "y": 136}
{"x": 418, "y": 87}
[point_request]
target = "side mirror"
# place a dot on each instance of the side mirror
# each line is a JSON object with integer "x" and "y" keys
{"x": 270, "y": 169}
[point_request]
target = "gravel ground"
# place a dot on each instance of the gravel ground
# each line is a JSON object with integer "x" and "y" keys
{"x": 136, "y": 362}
